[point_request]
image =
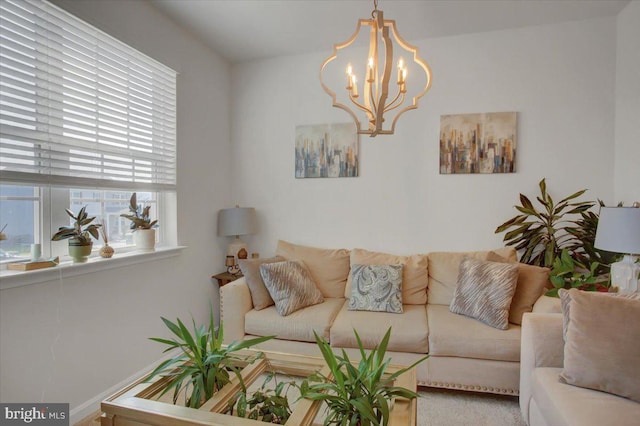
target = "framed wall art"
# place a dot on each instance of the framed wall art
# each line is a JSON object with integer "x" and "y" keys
{"x": 326, "y": 150}
{"x": 478, "y": 143}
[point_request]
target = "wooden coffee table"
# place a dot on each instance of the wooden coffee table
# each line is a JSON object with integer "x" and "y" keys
{"x": 137, "y": 403}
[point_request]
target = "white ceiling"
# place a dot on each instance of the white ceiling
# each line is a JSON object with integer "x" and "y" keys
{"x": 242, "y": 30}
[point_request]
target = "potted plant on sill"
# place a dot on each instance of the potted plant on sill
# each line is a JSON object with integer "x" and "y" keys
{"x": 144, "y": 233}
{"x": 357, "y": 395}
{"x": 79, "y": 235}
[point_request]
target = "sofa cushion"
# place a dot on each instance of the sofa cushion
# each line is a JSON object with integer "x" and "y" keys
{"x": 532, "y": 282}
{"x": 602, "y": 347}
{"x": 443, "y": 271}
{"x": 456, "y": 335}
{"x": 414, "y": 274}
{"x": 409, "y": 330}
{"x": 251, "y": 270}
{"x": 329, "y": 268}
{"x": 300, "y": 325}
{"x": 484, "y": 291}
{"x": 376, "y": 288}
{"x": 290, "y": 286}
{"x": 563, "y": 404}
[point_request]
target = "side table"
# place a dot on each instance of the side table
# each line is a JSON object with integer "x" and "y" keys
{"x": 225, "y": 277}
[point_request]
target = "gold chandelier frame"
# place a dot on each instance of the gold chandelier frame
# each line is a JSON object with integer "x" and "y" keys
{"x": 376, "y": 85}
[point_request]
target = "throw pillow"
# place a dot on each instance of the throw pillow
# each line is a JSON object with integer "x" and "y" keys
{"x": 565, "y": 301}
{"x": 532, "y": 282}
{"x": 415, "y": 276}
{"x": 376, "y": 288}
{"x": 290, "y": 286}
{"x": 603, "y": 344}
{"x": 484, "y": 291}
{"x": 444, "y": 268}
{"x": 329, "y": 268}
{"x": 251, "y": 270}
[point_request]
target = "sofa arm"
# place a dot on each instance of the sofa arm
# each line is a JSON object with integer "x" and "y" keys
{"x": 541, "y": 345}
{"x": 235, "y": 302}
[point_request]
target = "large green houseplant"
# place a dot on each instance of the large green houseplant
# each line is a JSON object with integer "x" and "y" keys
{"x": 542, "y": 234}
{"x": 79, "y": 235}
{"x": 356, "y": 395}
{"x": 204, "y": 364}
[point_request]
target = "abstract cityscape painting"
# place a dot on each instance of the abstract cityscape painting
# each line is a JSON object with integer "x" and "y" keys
{"x": 478, "y": 143}
{"x": 326, "y": 150}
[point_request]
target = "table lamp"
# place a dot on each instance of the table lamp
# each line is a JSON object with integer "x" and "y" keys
{"x": 235, "y": 222}
{"x": 619, "y": 232}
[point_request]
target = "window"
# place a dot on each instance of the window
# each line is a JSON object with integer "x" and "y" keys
{"x": 84, "y": 120}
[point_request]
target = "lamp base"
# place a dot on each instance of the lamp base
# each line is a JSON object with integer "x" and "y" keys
{"x": 624, "y": 274}
{"x": 235, "y": 246}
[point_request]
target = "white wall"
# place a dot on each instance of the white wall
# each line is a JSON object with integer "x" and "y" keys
{"x": 70, "y": 341}
{"x": 559, "y": 78}
{"x": 627, "y": 128}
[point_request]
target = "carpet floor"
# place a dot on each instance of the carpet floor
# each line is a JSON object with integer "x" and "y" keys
{"x": 441, "y": 407}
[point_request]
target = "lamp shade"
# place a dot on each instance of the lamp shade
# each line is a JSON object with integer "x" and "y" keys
{"x": 237, "y": 221}
{"x": 619, "y": 230}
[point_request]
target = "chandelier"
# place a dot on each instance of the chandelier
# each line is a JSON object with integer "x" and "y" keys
{"x": 378, "y": 96}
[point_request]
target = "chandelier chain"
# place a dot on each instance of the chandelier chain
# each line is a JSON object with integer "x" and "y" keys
{"x": 374, "y": 13}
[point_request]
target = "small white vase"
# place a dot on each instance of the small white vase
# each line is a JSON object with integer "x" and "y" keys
{"x": 145, "y": 239}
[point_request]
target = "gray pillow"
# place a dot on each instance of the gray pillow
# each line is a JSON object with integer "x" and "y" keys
{"x": 376, "y": 288}
{"x": 251, "y": 270}
{"x": 290, "y": 286}
{"x": 485, "y": 290}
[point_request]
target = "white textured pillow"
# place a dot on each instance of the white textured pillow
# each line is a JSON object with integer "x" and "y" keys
{"x": 485, "y": 290}
{"x": 290, "y": 286}
{"x": 376, "y": 288}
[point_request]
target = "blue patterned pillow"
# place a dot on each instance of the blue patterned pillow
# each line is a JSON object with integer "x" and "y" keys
{"x": 376, "y": 288}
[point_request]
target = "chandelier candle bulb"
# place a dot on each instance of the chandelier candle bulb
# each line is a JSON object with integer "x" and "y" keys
{"x": 354, "y": 86}
{"x": 371, "y": 78}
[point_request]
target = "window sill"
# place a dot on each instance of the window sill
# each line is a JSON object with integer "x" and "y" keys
{"x": 11, "y": 279}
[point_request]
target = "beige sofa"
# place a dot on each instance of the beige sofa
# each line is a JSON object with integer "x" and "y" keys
{"x": 544, "y": 400}
{"x": 464, "y": 353}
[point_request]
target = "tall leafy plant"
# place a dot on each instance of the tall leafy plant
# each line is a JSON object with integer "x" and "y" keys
{"x": 541, "y": 234}
{"x": 204, "y": 365}
{"x": 356, "y": 395}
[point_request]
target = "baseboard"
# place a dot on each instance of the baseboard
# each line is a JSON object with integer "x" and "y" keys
{"x": 92, "y": 405}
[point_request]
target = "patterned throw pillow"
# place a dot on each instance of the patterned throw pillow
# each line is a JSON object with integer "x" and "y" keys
{"x": 290, "y": 286}
{"x": 485, "y": 290}
{"x": 376, "y": 288}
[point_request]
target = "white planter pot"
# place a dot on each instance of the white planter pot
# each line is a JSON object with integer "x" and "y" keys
{"x": 145, "y": 239}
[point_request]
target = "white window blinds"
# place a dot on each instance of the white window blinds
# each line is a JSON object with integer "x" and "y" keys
{"x": 79, "y": 108}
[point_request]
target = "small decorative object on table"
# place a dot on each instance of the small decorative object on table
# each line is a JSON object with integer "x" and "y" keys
{"x": 79, "y": 235}
{"x": 232, "y": 267}
{"x": 142, "y": 225}
{"x": 106, "y": 251}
